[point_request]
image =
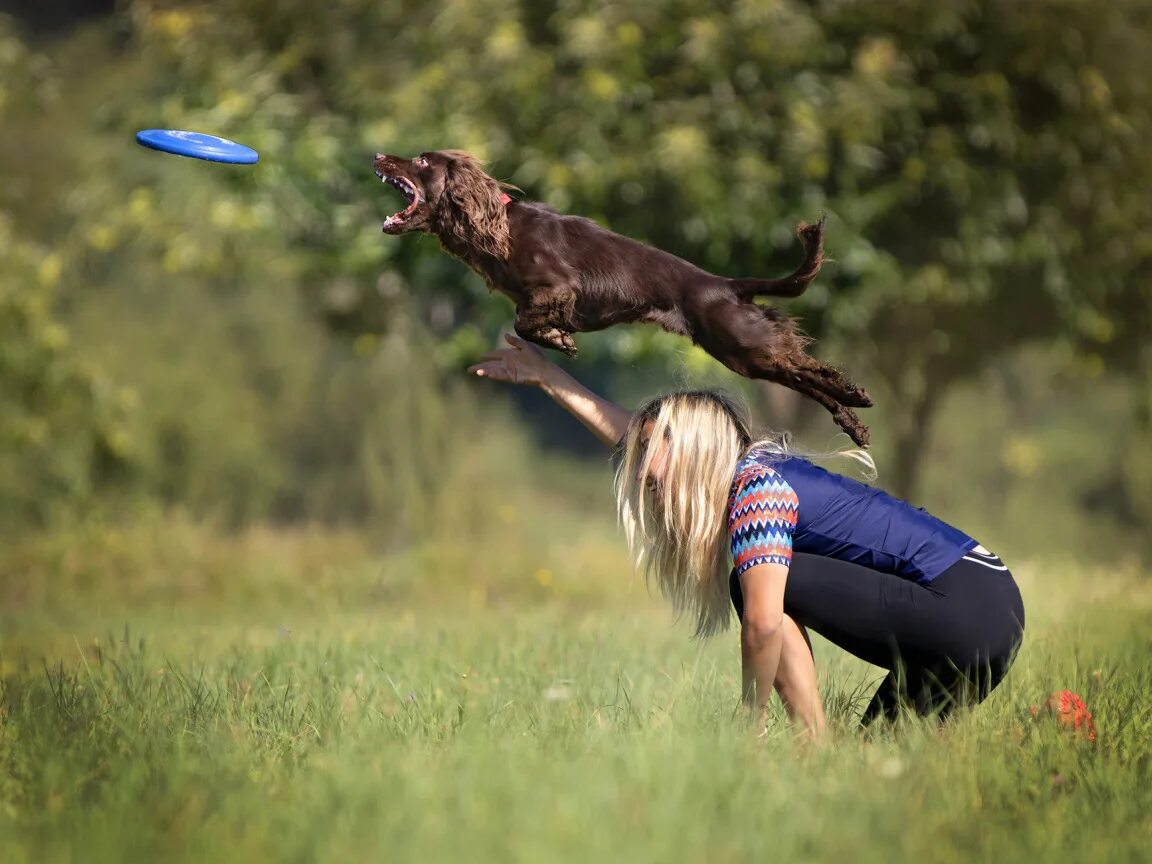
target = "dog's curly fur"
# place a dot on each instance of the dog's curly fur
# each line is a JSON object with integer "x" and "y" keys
{"x": 566, "y": 274}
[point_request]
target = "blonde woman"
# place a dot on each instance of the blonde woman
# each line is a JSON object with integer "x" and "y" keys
{"x": 716, "y": 517}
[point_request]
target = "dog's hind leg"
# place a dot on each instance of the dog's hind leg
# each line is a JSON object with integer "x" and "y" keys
{"x": 802, "y": 383}
{"x": 755, "y": 335}
{"x": 844, "y": 416}
{"x": 762, "y": 342}
{"x": 832, "y": 381}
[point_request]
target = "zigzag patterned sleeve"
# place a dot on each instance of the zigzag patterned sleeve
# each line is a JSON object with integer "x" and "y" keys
{"x": 761, "y": 518}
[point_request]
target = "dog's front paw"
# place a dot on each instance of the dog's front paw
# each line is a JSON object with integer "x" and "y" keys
{"x": 558, "y": 339}
{"x": 568, "y": 345}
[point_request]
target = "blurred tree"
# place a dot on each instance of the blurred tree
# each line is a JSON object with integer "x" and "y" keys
{"x": 1002, "y": 198}
{"x": 63, "y": 430}
{"x": 979, "y": 162}
{"x": 64, "y": 427}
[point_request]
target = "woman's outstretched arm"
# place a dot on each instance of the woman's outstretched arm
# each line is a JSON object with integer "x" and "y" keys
{"x": 524, "y": 363}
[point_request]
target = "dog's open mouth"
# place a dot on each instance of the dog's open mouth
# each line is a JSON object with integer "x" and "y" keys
{"x": 409, "y": 191}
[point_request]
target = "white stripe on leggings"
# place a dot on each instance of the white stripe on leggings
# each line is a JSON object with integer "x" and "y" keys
{"x": 987, "y": 564}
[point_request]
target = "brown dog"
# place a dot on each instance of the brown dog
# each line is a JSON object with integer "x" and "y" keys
{"x": 566, "y": 274}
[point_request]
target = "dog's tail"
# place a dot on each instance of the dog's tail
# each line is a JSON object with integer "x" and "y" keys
{"x": 793, "y": 285}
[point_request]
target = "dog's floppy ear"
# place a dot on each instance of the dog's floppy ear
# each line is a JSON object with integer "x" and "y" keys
{"x": 477, "y": 219}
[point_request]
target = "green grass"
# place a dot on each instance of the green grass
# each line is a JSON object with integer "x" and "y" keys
{"x": 546, "y": 723}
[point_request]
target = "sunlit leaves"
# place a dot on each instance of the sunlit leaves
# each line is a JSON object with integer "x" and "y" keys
{"x": 981, "y": 163}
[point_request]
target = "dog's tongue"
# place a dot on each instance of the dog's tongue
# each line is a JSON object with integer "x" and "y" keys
{"x": 505, "y": 199}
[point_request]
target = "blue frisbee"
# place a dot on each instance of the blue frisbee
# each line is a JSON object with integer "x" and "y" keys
{"x": 197, "y": 145}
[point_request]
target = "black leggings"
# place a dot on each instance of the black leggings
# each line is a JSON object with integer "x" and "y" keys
{"x": 946, "y": 643}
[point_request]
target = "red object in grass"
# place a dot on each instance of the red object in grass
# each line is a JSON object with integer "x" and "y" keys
{"x": 1070, "y": 711}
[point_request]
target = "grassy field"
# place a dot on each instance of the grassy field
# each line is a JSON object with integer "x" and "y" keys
{"x": 299, "y": 699}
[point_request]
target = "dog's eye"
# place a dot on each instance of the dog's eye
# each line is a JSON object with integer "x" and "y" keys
{"x": 420, "y": 162}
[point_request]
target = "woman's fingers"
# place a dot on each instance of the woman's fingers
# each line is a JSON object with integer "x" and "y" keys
{"x": 496, "y": 371}
{"x": 515, "y": 364}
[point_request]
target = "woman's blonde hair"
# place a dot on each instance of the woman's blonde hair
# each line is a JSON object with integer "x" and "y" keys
{"x": 677, "y": 530}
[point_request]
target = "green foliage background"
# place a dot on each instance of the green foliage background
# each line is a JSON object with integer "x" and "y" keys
{"x": 361, "y": 603}
{"x": 242, "y": 344}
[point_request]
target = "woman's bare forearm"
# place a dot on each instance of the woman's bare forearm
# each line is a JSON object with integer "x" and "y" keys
{"x": 796, "y": 679}
{"x": 607, "y": 420}
{"x": 760, "y": 658}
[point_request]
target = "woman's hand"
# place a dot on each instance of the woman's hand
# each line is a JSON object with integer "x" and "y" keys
{"x": 522, "y": 363}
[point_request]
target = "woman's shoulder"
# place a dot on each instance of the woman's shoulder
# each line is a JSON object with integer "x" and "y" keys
{"x": 760, "y": 462}
{"x": 796, "y": 473}
{"x": 753, "y": 459}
